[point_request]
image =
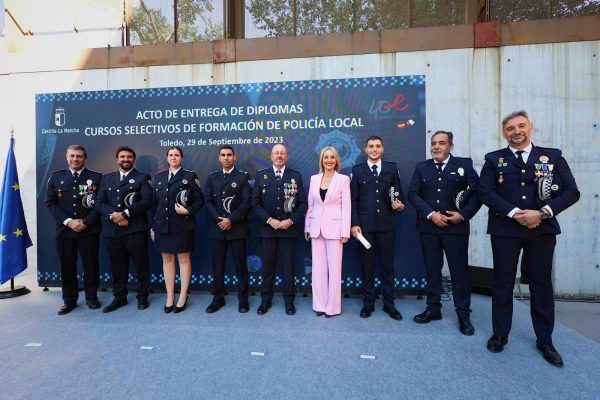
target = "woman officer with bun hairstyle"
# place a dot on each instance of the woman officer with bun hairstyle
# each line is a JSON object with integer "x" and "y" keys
{"x": 177, "y": 198}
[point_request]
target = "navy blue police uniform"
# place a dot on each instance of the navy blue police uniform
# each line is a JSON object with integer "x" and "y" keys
{"x": 506, "y": 183}
{"x": 229, "y": 196}
{"x": 132, "y": 197}
{"x": 73, "y": 197}
{"x": 175, "y": 233}
{"x": 373, "y": 212}
{"x": 434, "y": 191}
{"x": 278, "y": 245}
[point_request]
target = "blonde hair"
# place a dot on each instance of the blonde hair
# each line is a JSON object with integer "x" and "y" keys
{"x": 338, "y": 164}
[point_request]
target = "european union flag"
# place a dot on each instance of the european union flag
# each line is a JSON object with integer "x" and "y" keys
{"x": 14, "y": 238}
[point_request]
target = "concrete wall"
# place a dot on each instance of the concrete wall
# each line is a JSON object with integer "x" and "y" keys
{"x": 468, "y": 92}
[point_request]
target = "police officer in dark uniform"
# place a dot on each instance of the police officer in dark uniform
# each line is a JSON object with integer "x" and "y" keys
{"x": 525, "y": 188}
{"x": 228, "y": 197}
{"x": 443, "y": 190}
{"x": 123, "y": 201}
{"x": 279, "y": 202}
{"x": 70, "y": 196}
{"x": 177, "y": 198}
{"x": 376, "y": 195}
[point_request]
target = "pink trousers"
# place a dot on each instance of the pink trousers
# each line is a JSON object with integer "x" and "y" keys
{"x": 327, "y": 275}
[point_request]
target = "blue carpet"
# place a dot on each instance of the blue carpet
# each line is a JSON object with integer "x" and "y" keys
{"x": 91, "y": 355}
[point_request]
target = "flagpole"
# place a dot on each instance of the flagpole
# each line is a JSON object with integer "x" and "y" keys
{"x": 14, "y": 291}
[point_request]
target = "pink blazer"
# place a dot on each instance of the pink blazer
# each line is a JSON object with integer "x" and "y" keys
{"x": 330, "y": 218}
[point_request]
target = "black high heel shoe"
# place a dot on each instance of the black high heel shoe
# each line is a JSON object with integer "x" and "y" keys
{"x": 170, "y": 308}
{"x": 180, "y": 309}
{"x": 319, "y": 313}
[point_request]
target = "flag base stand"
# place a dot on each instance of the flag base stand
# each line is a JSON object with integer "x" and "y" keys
{"x": 13, "y": 291}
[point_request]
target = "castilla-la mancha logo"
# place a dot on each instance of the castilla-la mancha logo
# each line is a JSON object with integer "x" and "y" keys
{"x": 59, "y": 117}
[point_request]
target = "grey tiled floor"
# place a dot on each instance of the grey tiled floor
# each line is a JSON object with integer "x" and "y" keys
{"x": 583, "y": 317}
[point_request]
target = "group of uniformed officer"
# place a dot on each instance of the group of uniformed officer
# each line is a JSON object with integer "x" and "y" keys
{"x": 523, "y": 185}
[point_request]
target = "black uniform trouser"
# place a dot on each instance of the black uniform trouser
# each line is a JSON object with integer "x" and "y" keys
{"x": 537, "y": 253}
{"x": 67, "y": 249}
{"x": 274, "y": 250}
{"x": 383, "y": 243}
{"x": 456, "y": 247}
{"x": 219, "y": 254}
{"x": 120, "y": 249}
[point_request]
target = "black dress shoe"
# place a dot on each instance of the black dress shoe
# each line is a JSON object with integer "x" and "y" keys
{"x": 115, "y": 305}
{"x": 66, "y": 308}
{"x": 465, "y": 326}
{"x": 263, "y": 308}
{"x": 392, "y": 312}
{"x": 93, "y": 304}
{"x": 143, "y": 304}
{"x": 178, "y": 309}
{"x": 319, "y": 313}
{"x": 366, "y": 311}
{"x": 496, "y": 343}
{"x": 170, "y": 308}
{"x": 290, "y": 309}
{"x": 243, "y": 307}
{"x": 550, "y": 354}
{"x": 427, "y": 316}
{"x": 215, "y": 305}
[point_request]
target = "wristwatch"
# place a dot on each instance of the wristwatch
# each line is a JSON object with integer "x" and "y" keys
{"x": 544, "y": 214}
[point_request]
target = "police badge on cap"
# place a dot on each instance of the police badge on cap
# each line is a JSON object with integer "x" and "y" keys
{"x": 394, "y": 194}
{"x": 458, "y": 201}
{"x": 130, "y": 198}
{"x": 184, "y": 197}
{"x": 549, "y": 187}
{"x": 288, "y": 204}
{"x": 88, "y": 201}
{"x": 227, "y": 203}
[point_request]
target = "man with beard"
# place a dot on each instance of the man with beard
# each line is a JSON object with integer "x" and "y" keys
{"x": 443, "y": 190}
{"x": 123, "y": 200}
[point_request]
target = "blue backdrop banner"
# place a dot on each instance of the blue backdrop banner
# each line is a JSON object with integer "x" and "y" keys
{"x": 303, "y": 115}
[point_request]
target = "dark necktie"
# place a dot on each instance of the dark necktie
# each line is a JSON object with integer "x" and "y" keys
{"x": 225, "y": 175}
{"x": 439, "y": 166}
{"x": 278, "y": 174}
{"x": 75, "y": 175}
{"x": 520, "y": 156}
{"x": 170, "y": 176}
{"x": 374, "y": 168}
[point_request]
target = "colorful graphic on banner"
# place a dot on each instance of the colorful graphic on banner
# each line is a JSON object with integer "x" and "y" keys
{"x": 303, "y": 115}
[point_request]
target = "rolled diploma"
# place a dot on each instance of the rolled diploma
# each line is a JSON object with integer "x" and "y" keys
{"x": 364, "y": 241}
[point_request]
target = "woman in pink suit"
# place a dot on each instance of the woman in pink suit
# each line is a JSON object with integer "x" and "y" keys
{"x": 328, "y": 225}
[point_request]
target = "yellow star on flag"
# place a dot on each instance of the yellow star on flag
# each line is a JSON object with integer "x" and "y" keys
{"x": 16, "y": 186}
{"x": 2, "y": 238}
{"x": 18, "y": 232}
